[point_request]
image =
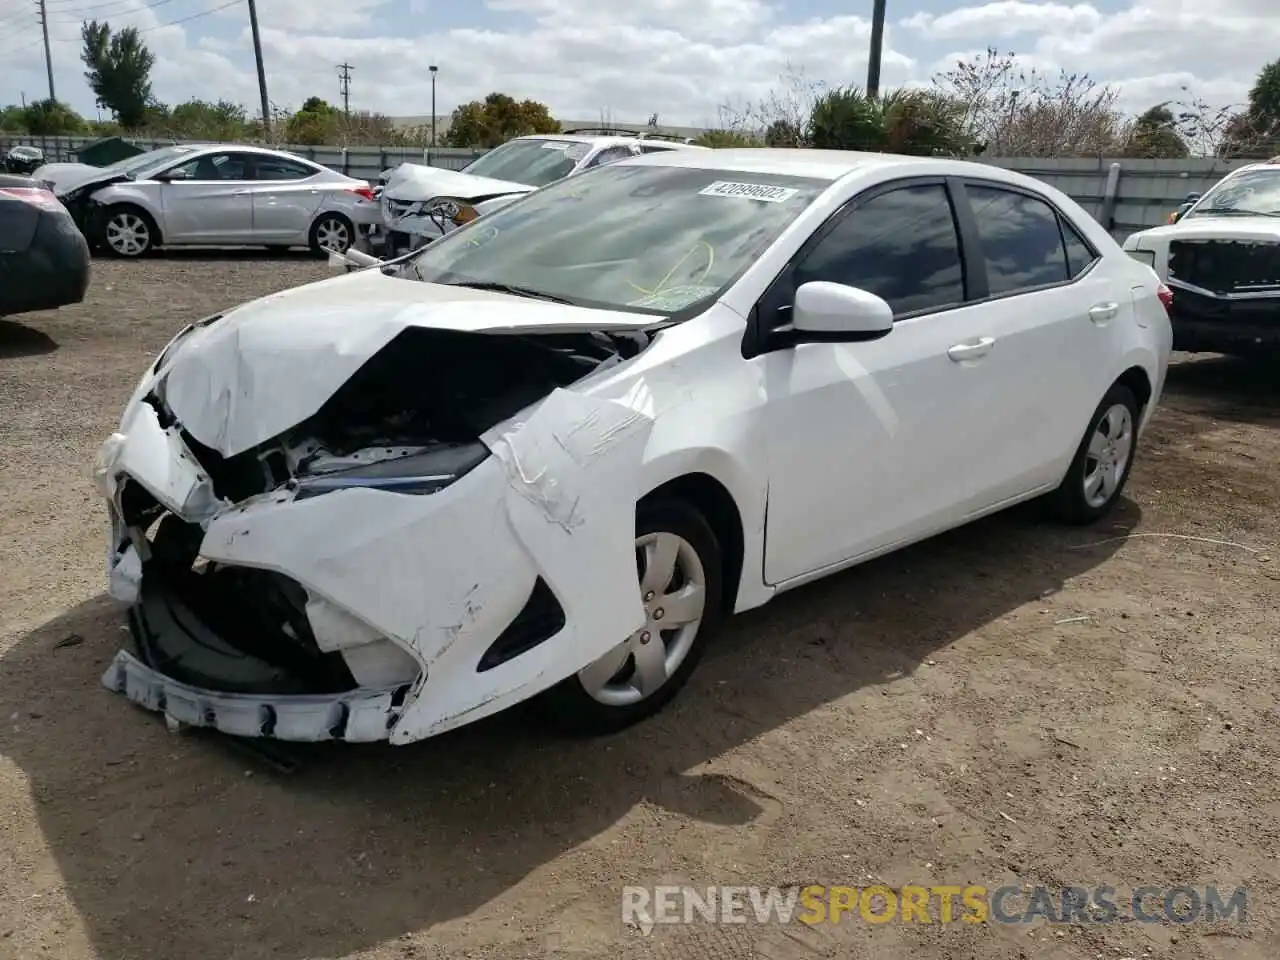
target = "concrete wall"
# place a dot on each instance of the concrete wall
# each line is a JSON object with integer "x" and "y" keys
{"x": 1148, "y": 190}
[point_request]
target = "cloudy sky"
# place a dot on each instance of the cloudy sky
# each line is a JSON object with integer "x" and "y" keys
{"x": 630, "y": 58}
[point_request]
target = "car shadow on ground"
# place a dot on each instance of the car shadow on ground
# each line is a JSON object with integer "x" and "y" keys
{"x": 19, "y": 340}
{"x": 161, "y": 841}
{"x": 1229, "y": 388}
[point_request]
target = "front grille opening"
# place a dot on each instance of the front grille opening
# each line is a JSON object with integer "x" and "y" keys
{"x": 232, "y": 629}
{"x": 1226, "y": 266}
{"x": 541, "y": 619}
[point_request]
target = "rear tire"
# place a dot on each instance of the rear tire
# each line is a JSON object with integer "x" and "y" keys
{"x": 1098, "y": 472}
{"x": 680, "y": 574}
{"x": 331, "y": 233}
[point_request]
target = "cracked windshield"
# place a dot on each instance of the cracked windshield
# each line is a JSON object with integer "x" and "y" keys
{"x": 649, "y": 239}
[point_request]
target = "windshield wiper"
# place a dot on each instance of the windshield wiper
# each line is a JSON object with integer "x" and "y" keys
{"x": 515, "y": 291}
{"x": 1236, "y": 212}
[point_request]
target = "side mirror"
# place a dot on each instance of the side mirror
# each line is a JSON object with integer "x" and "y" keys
{"x": 1191, "y": 198}
{"x": 170, "y": 175}
{"x": 835, "y": 313}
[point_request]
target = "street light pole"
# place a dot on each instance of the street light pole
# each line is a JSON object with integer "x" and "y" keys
{"x": 877, "y": 46}
{"x": 433, "y": 68}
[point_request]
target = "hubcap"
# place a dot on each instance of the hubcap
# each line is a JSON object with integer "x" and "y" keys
{"x": 673, "y": 588}
{"x": 127, "y": 234}
{"x": 333, "y": 235}
{"x": 1109, "y": 450}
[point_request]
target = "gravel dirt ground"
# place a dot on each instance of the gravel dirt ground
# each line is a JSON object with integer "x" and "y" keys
{"x": 1013, "y": 703}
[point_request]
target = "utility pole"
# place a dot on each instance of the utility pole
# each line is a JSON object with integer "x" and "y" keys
{"x": 877, "y": 47}
{"x": 345, "y": 77}
{"x": 262, "y": 73}
{"x": 433, "y": 68}
{"x": 48, "y": 55}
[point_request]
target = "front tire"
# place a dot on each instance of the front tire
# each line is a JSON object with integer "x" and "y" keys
{"x": 680, "y": 574}
{"x": 127, "y": 232}
{"x": 331, "y": 233}
{"x": 1098, "y": 472}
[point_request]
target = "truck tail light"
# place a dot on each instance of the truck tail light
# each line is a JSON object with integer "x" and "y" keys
{"x": 1166, "y": 297}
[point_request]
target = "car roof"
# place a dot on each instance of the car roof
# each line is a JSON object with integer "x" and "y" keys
{"x": 829, "y": 165}
{"x": 611, "y": 138}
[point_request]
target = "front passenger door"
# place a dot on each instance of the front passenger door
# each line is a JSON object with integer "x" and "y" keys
{"x": 206, "y": 200}
{"x": 874, "y": 444}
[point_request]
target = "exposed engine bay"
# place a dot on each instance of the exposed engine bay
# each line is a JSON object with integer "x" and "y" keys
{"x": 425, "y": 391}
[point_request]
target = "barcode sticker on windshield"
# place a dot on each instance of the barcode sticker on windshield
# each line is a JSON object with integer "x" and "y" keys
{"x": 748, "y": 191}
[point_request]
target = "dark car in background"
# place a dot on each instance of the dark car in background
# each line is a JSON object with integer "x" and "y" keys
{"x": 44, "y": 259}
{"x": 22, "y": 159}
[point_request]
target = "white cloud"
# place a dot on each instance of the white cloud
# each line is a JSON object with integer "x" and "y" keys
{"x": 630, "y": 58}
{"x": 1003, "y": 19}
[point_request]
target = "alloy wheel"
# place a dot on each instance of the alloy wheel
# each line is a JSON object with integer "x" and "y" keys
{"x": 333, "y": 235}
{"x": 128, "y": 234}
{"x": 673, "y": 588}
{"x": 1110, "y": 448}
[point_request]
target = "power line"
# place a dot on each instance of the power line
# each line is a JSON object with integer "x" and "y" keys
{"x": 72, "y": 16}
{"x": 345, "y": 78}
{"x": 171, "y": 23}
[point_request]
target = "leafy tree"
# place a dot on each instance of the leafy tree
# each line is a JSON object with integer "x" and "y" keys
{"x": 13, "y": 118}
{"x": 726, "y": 138}
{"x": 845, "y": 118}
{"x": 496, "y": 119}
{"x": 119, "y": 70}
{"x": 1155, "y": 136}
{"x": 785, "y": 133}
{"x": 51, "y": 118}
{"x": 1264, "y": 98}
{"x": 315, "y": 123}
{"x": 916, "y": 122}
{"x": 202, "y": 120}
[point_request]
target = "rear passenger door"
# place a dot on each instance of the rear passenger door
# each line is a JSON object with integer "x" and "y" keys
{"x": 286, "y": 196}
{"x": 1048, "y": 307}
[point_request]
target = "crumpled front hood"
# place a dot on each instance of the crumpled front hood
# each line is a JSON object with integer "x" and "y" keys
{"x": 66, "y": 177}
{"x": 412, "y": 181}
{"x": 268, "y": 365}
{"x": 1264, "y": 229}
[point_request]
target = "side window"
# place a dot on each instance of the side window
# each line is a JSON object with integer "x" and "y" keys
{"x": 1079, "y": 254}
{"x": 610, "y": 155}
{"x": 278, "y": 168}
{"x": 1021, "y": 239}
{"x": 901, "y": 245}
{"x": 213, "y": 166}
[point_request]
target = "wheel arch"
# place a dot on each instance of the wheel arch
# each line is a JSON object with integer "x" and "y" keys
{"x": 1139, "y": 383}
{"x": 712, "y": 499}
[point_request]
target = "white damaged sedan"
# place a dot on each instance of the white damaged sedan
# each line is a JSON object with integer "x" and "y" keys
{"x": 545, "y": 454}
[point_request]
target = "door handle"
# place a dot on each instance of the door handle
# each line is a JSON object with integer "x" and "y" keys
{"x": 971, "y": 349}
{"x": 239, "y": 193}
{"x": 1102, "y": 312}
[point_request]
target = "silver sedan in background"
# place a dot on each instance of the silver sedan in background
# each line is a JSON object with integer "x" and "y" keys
{"x": 213, "y": 195}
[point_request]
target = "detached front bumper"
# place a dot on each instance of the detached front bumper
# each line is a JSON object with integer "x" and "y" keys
{"x": 362, "y": 614}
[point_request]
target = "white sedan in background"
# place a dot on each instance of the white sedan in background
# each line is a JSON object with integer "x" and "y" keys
{"x": 213, "y": 195}
{"x": 421, "y": 203}
{"x": 544, "y": 455}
